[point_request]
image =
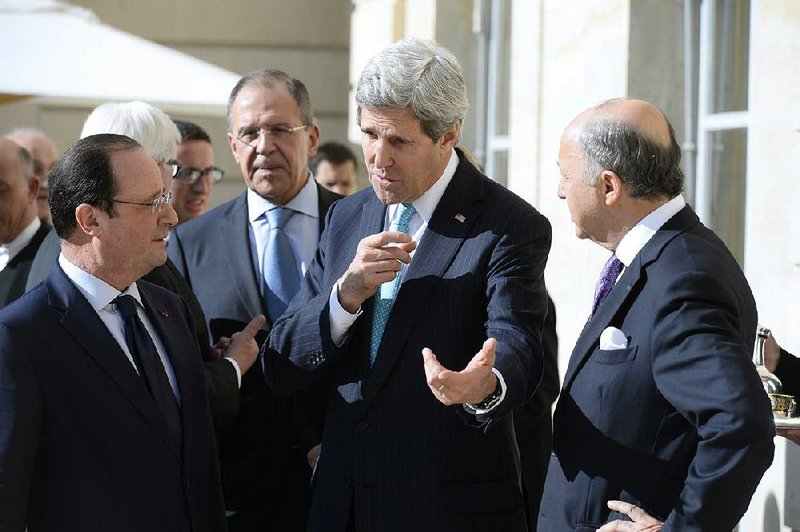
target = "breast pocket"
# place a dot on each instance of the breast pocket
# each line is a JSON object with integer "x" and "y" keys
{"x": 614, "y": 356}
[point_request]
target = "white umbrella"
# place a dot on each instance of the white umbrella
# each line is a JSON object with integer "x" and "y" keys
{"x": 57, "y": 50}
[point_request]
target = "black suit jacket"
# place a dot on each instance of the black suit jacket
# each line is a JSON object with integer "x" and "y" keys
{"x": 213, "y": 254}
{"x": 221, "y": 381}
{"x": 15, "y": 275}
{"x": 677, "y": 422}
{"x": 390, "y": 450}
{"x": 82, "y": 443}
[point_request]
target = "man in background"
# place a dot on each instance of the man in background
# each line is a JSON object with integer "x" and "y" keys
{"x": 21, "y": 230}
{"x": 335, "y": 168}
{"x": 247, "y": 257}
{"x": 44, "y": 154}
{"x": 191, "y": 186}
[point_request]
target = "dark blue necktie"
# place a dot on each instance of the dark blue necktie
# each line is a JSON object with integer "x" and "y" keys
{"x": 149, "y": 364}
{"x": 281, "y": 278}
{"x": 608, "y": 278}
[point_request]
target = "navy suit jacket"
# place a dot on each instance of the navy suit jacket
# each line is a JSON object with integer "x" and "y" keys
{"x": 15, "y": 274}
{"x": 213, "y": 254}
{"x": 390, "y": 450}
{"x": 82, "y": 443}
{"x": 676, "y": 423}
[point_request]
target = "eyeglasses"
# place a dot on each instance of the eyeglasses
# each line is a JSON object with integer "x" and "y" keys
{"x": 156, "y": 205}
{"x": 251, "y": 135}
{"x": 189, "y": 174}
{"x": 172, "y": 165}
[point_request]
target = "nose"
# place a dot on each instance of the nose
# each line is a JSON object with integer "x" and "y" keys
{"x": 265, "y": 142}
{"x": 560, "y": 190}
{"x": 382, "y": 157}
{"x": 168, "y": 216}
{"x": 202, "y": 185}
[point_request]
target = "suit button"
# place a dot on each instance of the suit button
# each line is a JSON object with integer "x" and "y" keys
{"x": 362, "y": 425}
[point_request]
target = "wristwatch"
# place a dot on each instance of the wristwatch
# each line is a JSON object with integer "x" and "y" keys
{"x": 491, "y": 400}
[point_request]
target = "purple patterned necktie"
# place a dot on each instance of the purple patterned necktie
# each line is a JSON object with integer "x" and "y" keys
{"x": 608, "y": 278}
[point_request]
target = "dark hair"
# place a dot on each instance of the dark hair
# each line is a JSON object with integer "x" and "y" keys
{"x": 649, "y": 169}
{"x": 333, "y": 152}
{"x": 83, "y": 174}
{"x": 267, "y": 77}
{"x": 191, "y": 131}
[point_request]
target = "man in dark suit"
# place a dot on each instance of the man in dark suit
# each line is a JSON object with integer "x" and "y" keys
{"x": 21, "y": 231}
{"x": 418, "y": 432}
{"x": 104, "y": 423}
{"x": 246, "y": 257}
{"x": 662, "y": 418}
{"x": 159, "y": 137}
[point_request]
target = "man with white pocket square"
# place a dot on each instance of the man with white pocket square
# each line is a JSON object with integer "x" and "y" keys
{"x": 662, "y": 423}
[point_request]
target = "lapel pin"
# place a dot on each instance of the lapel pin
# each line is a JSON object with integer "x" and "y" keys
{"x": 460, "y": 217}
{"x": 164, "y": 313}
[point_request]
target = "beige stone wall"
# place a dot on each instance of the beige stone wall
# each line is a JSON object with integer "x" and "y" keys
{"x": 309, "y": 39}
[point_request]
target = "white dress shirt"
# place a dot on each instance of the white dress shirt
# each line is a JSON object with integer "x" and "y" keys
{"x": 12, "y": 249}
{"x": 100, "y": 296}
{"x": 302, "y": 229}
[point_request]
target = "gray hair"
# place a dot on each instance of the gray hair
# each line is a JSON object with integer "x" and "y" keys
{"x": 147, "y": 125}
{"x": 266, "y": 77}
{"x": 648, "y": 169}
{"x": 418, "y": 74}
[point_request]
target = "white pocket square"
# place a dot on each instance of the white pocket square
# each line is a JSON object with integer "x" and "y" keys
{"x": 613, "y": 338}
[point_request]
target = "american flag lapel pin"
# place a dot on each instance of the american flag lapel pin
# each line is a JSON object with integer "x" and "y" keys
{"x": 460, "y": 217}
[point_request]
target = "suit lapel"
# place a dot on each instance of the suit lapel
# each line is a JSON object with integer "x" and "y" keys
{"x": 87, "y": 329}
{"x": 590, "y": 335}
{"x": 450, "y": 224}
{"x": 236, "y": 241}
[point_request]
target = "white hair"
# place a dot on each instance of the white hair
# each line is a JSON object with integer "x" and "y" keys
{"x": 147, "y": 125}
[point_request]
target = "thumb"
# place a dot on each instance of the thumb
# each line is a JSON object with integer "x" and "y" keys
{"x": 485, "y": 357}
{"x": 432, "y": 366}
{"x": 254, "y": 326}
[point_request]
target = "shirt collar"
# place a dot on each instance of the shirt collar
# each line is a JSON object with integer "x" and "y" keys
{"x": 426, "y": 204}
{"x": 98, "y": 292}
{"x": 641, "y": 233}
{"x": 13, "y": 248}
{"x": 306, "y": 201}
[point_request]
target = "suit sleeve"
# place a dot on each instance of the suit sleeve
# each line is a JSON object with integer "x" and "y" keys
{"x": 300, "y": 349}
{"x": 20, "y": 428}
{"x": 703, "y": 368}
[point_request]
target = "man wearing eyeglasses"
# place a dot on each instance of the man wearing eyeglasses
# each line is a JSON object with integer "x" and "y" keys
{"x": 104, "y": 419}
{"x": 246, "y": 257}
{"x": 192, "y": 184}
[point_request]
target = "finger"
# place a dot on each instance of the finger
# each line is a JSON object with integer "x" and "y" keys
{"x": 432, "y": 368}
{"x": 386, "y": 237}
{"x": 621, "y": 507}
{"x": 617, "y": 526}
{"x": 254, "y": 326}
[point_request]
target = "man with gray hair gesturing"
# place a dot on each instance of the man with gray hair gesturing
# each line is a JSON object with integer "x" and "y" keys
{"x": 424, "y": 308}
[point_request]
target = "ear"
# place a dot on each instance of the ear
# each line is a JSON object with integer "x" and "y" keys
{"x": 450, "y": 138}
{"x": 33, "y": 188}
{"x": 611, "y": 187}
{"x": 234, "y": 146}
{"x": 87, "y": 218}
{"x": 313, "y": 140}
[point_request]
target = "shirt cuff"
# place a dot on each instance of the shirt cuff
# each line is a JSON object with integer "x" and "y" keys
{"x": 238, "y": 371}
{"x": 482, "y": 411}
{"x": 341, "y": 320}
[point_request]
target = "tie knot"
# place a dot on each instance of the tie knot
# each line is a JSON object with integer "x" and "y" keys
{"x": 612, "y": 269}
{"x": 126, "y": 305}
{"x": 405, "y": 212}
{"x": 278, "y": 217}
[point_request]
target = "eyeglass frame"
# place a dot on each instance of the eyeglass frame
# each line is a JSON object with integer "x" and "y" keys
{"x": 200, "y": 172}
{"x": 271, "y": 132}
{"x": 156, "y": 206}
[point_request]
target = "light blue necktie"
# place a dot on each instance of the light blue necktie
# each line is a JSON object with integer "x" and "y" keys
{"x": 281, "y": 278}
{"x": 387, "y": 292}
